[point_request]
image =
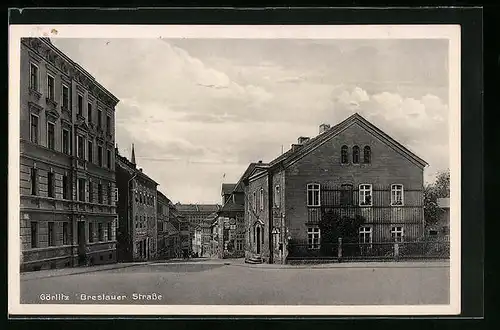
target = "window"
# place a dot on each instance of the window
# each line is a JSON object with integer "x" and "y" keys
{"x": 65, "y": 97}
{"x": 99, "y": 119}
{"x": 109, "y": 194}
{"x": 355, "y": 155}
{"x": 51, "y": 135}
{"x": 80, "y": 105}
{"x": 34, "y": 234}
{"x": 313, "y": 238}
{"x": 91, "y": 232}
{"x": 50, "y": 87}
{"x": 65, "y": 187}
{"x": 99, "y": 155}
{"x": 136, "y": 221}
{"x": 365, "y": 195}
{"x": 99, "y": 193}
{"x": 108, "y": 124}
{"x": 137, "y": 197}
{"x": 65, "y": 233}
{"x": 397, "y": 233}
{"x": 313, "y": 194}
{"x": 100, "y": 232}
{"x": 51, "y": 234}
{"x": 80, "y": 145}
{"x": 261, "y": 199}
{"x": 34, "y": 181}
{"x": 433, "y": 232}
{"x": 365, "y": 234}
{"x": 89, "y": 112}
{"x": 367, "y": 155}
{"x": 110, "y": 231}
{"x": 254, "y": 201}
{"x": 91, "y": 192}
{"x": 116, "y": 194}
{"x": 396, "y": 195}
{"x": 65, "y": 141}
{"x": 108, "y": 160}
{"x": 34, "y": 128}
{"x": 239, "y": 244}
{"x": 343, "y": 155}
{"x": 90, "y": 152}
{"x": 81, "y": 190}
{"x": 277, "y": 196}
{"x": 346, "y": 194}
{"x": 50, "y": 185}
{"x": 33, "y": 77}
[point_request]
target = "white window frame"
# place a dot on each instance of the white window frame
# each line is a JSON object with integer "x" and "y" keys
{"x": 365, "y": 230}
{"x": 395, "y": 230}
{"x": 37, "y": 128}
{"x": 363, "y": 188}
{"x": 315, "y": 232}
{"x": 53, "y": 86}
{"x": 62, "y": 95}
{"x": 314, "y": 188}
{"x": 37, "y": 76}
{"x": 394, "y": 190}
{"x": 261, "y": 199}
{"x": 54, "y": 142}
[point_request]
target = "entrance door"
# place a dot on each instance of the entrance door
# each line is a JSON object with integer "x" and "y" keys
{"x": 81, "y": 242}
{"x": 258, "y": 239}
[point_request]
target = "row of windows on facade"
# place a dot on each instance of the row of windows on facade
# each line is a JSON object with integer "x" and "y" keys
{"x": 141, "y": 221}
{"x": 141, "y": 248}
{"x": 314, "y": 196}
{"x": 365, "y": 235}
{"x": 144, "y": 198}
{"x": 65, "y": 98}
{"x": 66, "y": 234}
{"x": 344, "y": 155}
{"x": 66, "y": 143}
{"x": 365, "y": 195}
{"x": 66, "y": 188}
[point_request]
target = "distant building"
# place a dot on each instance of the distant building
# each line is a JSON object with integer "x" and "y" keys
{"x": 67, "y": 173}
{"x": 137, "y": 211}
{"x": 352, "y": 170}
{"x": 197, "y": 214}
{"x": 441, "y": 229}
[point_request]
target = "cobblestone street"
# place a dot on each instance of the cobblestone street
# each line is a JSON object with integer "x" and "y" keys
{"x": 231, "y": 282}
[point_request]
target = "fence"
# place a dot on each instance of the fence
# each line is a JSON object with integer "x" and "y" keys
{"x": 350, "y": 251}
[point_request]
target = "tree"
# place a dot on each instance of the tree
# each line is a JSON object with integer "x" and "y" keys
{"x": 439, "y": 189}
{"x": 333, "y": 226}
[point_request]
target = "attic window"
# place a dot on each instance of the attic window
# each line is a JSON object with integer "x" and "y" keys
{"x": 355, "y": 155}
{"x": 343, "y": 155}
{"x": 367, "y": 155}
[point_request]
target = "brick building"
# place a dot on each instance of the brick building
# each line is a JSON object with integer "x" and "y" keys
{"x": 137, "y": 211}
{"x": 67, "y": 175}
{"x": 168, "y": 228}
{"x": 352, "y": 170}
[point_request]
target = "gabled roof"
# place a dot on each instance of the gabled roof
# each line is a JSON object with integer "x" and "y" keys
{"x": 228, "y": 188}
{"x": 292, "y": 155}
{"x": 246, "y": 174}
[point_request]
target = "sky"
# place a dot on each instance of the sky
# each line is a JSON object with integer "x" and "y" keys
{"x": 200, "y": 110}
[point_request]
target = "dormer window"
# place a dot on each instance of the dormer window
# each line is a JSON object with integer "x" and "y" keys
{"x": 343, "y": 155}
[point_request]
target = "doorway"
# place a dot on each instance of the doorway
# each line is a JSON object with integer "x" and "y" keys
{"x": 258, "y": 239}
{"x": 81, "y": 243}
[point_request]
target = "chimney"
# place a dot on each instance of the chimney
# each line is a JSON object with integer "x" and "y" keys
{"x": 302, "y": 139}
{"x": 260, "y": 161}
{"x": 323, "y": 128}
{"x": 132, "y": 157}
{"x": 296, "y": 147}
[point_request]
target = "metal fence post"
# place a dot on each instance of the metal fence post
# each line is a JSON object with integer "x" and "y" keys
{"x": 339, "y": 250}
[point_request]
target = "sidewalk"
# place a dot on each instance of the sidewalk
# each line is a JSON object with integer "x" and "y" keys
{"x": 77, "y": 270}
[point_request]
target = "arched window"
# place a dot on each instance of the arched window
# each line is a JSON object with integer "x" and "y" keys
{"x": 367, "y": 155}
{"x": 355, "y": 155}
{"x": 343, "y": 155}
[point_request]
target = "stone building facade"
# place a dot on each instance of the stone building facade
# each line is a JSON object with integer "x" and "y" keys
{"x": 137, "y": 211}
{"x": 351, "y": 170}
{"x": 67, "y": 174}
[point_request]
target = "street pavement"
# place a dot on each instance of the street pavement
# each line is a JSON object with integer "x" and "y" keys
{"x": 232, "y": 282}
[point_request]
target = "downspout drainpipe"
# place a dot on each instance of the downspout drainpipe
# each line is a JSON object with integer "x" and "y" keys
{"x": 270, "y": 208}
